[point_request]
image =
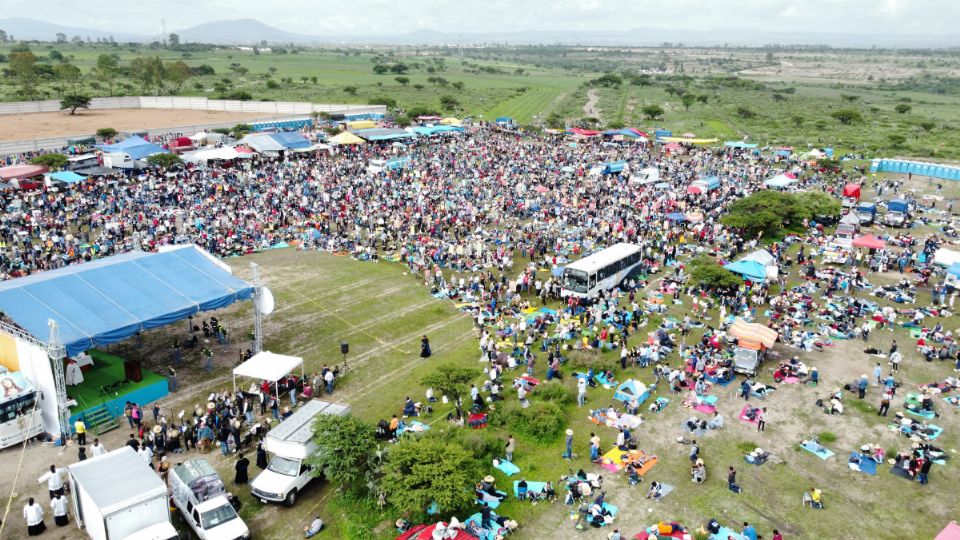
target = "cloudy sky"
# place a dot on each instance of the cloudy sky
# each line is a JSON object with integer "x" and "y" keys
{"x": 368, "y": 17}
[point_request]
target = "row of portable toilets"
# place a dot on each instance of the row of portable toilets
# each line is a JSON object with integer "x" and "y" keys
{"x": 915, "y": 167}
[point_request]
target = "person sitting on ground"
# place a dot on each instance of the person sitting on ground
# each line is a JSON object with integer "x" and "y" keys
{"x": 699, "y": 472}
{"x": 716, "y": 422}
{"x": 655, "y": 490}
{"x": 317, "y": 525}
{"x": 693, "y": 423}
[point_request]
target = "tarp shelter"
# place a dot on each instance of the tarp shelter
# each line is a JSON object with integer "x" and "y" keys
{"x": 291, "y": 140}
{"x": 852, "y": 191}
{"x": 361, "y": 124}
{"x": 689, "y": 140}
{"x": 583, "y": 132}
{"x": 433, "y": 130}
{"x": 950, "y": 532}
{"x": 314, "y": 148}
{"x": 384, "y": 134}
{"x": 209, "y": 154}
{"x": 136, "y": 147}
{"x": 780, "y": 181}
{"x": 275, "y": 142}
{"x": 118, "y": 480}
{"x": 768, "y": 261}
{"x": 630, "y": 389}
{"x": 676, "y": 216}
{"x": 267, "y": 366}
{"x": 614, "y": 167}
{"x": 346, "y": 137}
{"x": 869, "y": 241}
{"x": 953, "y": 275}
{"x": 108, "y": 300}
{"x": 18, "y": 172}
{"x": 67, "y": 177}
{"x": 751, "y": 270}
{"x": 632, "y": 133}
{"x": 739, "y": 144}
{"x": 741, "y": 329}
{"x": 451, "y": 122}
{"x": 946, "y": 257}
{"x": 504, "y": 121}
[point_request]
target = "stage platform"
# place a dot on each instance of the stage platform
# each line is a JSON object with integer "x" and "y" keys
{"x": 101, "y": 388}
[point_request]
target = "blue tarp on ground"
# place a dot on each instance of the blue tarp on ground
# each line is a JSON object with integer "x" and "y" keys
{"x": 739, "y": 144}
{"x": 433, "y": 130}
{"x": 67, "y": 177}
{"x": 751, "y": 270}
{"x": 136, "y": 147}
{"x": 291, "y": 140}
{"x": 105, "y": 301}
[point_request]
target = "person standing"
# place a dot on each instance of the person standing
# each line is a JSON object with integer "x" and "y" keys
{"x": 261, "y": 456}
{"x": 511, "y": 446}
{"x": 594, "y": 447}
{"x": 762, "y": 420}
{"x": 425, "y": 351}
{"x": 749, "y": 532}
{"x": 884, "y": 404}
{"x": 924, "y": 475}
{"x": 862, "y": 386}
{"x": 33, "y": 513}
{"x": 895, "y": 358}
{"x": 581, "y": 391}
{"x": 694, "y": 452}
{"x": 54, "y": 480}
{"x": 81, "y": 454}
{"x": 776, "y": 535}
{"x": 81, "y": 430}
{"x": 59, "y": 507}
{"x": 241, "y": 470}
{"x": 878, "y": 374}
{"x": 569, "y": 452}
{"x": 97, "y": 449}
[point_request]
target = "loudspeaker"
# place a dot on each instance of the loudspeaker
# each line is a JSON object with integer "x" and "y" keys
{"x": 344, "y": 347}
{"x": 132, "y": 370}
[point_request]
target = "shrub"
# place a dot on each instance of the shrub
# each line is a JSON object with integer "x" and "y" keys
{"x": 106, "y": 133}
{"x": 554, "y": 392}
{"x": 482, "y": 444}
{"x": 584, "y": 360}
{"x": 542, "y": 421}
{"x": 827, "y": 437}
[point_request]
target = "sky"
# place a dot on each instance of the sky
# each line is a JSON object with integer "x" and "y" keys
{"x": 371, "y": 17}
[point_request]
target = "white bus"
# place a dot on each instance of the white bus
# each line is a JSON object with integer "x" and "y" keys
{"x": 601, "y": 271}
{"x": 20, "y": 417}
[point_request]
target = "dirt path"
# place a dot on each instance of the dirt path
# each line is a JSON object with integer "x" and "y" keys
{"x": 590, "y": 109}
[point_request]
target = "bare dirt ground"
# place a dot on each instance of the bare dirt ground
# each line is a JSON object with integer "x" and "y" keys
{"x": 58, "y": 124}
{"x": 590, "y": 109}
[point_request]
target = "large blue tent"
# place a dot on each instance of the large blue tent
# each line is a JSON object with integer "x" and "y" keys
{"x": 106, "y": 301}
{"x": 136, "y": 147}
{"x": 67, "y": 177}
{"x": 751, "y": 270}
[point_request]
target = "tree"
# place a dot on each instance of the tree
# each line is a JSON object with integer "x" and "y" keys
{"x": 745, "y": 113}
{"x": 652, "y": 112}
{"x": 177, "y": 73}
{"x": 381, "y": 69}
{"x": 818, "y": 204}
{"x": 420, "y": 472}
{"x": 174, "y": 41}
{"x": 702, "y": 98}
{"x": 896, "y": 139}
{"x": 903, "y": 108}
{"x": 54, "y": 161}
{"x": 74, "y": 102}
{"x": 106, "y": 70}
{"x": 708, "y": 273}
{"x": 450, "y": 380}
{"x": 797, "y": 120}
{"x": 23, "y": 65}
{"x": 458, "y": 85}
{"x": 688, "y": 100}
{"x": 61, "y": 37}
{"x": 846, "y": 116}
{"x": 772, "y": 213}
{"x": 344, "y": 445}
{"x": 926, "y": 125}
{"x": 402, "y": 80}
{"x": 399, "y": 68}
{"x": 67, "y": 73}
{"x": 164, "y": 161}
{"x": 352, "y": 90}
{"x": 106, "y": 133}
{"x": 402, "y": 120}
{"x": 148, "y": 72}
{"x": 449, "y": 102}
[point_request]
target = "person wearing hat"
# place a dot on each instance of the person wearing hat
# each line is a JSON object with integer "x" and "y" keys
{"x": 568, "y": 454}
{"x": 862, "y": 386}
{"x": 814, "y": 376}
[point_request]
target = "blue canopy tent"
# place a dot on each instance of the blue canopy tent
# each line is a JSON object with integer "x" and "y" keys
{"x": 384, "y": 134}
{"x": 751, "y": 270}
{"x": 739, "y": 144}
{"x": 298, "y": 123}
{"x": 136, "y": 147}
{"x": 614, "y": 167}
{"x": 433, "y": 130}
{"x": 67, "y": 177}
{"x": 291, "y": 140}
{"x": 106, "y": 301}
{"x": 662, "y": 133}
{"x": 676, "y": 216}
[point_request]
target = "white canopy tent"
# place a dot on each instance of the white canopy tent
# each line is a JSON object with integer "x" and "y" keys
{"x": 267, "y": 366}
{"x": 207, "y": 154}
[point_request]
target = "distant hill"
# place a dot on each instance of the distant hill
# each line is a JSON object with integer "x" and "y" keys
{"x": 251, "y": 31}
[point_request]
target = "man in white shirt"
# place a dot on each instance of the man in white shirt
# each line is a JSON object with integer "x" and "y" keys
{"x": 59, "y": 506}
{"x": 54, "y": 480}
{"x": 97, "y": 449}
{"x": 146, "y": 453}
{"x": 314, "y": 527}
{"x": 33, "y": 513}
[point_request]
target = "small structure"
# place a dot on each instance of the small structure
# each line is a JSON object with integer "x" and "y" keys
{"x": 267, "y": 366}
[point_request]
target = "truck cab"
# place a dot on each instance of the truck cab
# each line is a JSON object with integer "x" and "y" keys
{"x": 199, "y": 494}
{"x": 867, "y": 212}
{"x": 291, "y": 443}
{"x": 748, "y": 357}
{"x": 898, "y": 213}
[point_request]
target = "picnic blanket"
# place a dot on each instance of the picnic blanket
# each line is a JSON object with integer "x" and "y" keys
{"x": 490, "y": 500}
{"x": 532, "y": 487}
{"x": 473, "y": 525}
{"x": 932, "y": 432}
{"x": 743, "y": 414}
{"x": 645, "y": 535}
{"x": 665, "y": 489}
{"x": 791, "y": 380}
{"x": 506, "y": 467}
{"x": 915, "y": 401}
{"x": 902, "y": 473}
{"x": 769, "y": 390}
{"x": 662, "y": 401}
{"x": 705, "y": 408}
{"x": 616, "y": 460}
{"x": 816, "y": 449}
{"x": 413, "y": 426}
{"x": 609, "y": 417}
{"x": 726, "y": 534}
{"x": 698, "y": 432}
{"x": 864, "y": 463}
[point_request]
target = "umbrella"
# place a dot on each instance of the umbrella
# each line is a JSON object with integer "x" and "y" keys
{"x": 662, "y": 185}
{"x": 694, "y": 190}
{"x": 869, "y": 241}
{"x": 676, "y": 216}
{"x": 694, "y": 216}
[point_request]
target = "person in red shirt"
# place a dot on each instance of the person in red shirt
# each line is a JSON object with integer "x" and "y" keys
{"x": 777, "y": 535}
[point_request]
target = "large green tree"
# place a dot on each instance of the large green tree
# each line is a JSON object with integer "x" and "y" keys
{"x": 106, "y": 70}
{"x": 23, "y": 66}
{"x": 74, "y": 102}
{"x": 344, "y": 446}
{"x": 426, "y": 470}
{"x": 772, "y": 213}
{"x": 451, "y": 380}
{"x": 707, "y": 272}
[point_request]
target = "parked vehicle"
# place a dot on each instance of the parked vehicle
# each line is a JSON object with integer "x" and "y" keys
{"x": 117, "y": 497}
{"x": 850, "y": 197}
{"x": 291, "y": 443}
{"x": 704, "y": 185}
{"x": 199, "y": 494}
{"x": 867, "y": 212}
{"x": 898, "y": 213}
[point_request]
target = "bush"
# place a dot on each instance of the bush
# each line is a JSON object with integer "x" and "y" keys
{"x": 827, "y": 437}
{"x": 542, "y": 421}
{"x": 54, "y": 161}
{"x": 554, "y": 392}
{"x": 503, "y": 413}
{"x": 482, "y": 444}
{"x": 106, "y": 133}
{"x": 584, "y": 360}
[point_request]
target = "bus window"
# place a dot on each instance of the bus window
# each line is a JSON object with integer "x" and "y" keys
{"x": 575, "y": 280}
{"x": 593, "y": 280}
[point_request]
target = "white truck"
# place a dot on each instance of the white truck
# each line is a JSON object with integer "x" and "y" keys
{"x": 291, "y": 443}
{"x": 117, "y": 497}
{"x": 199, "y": 494}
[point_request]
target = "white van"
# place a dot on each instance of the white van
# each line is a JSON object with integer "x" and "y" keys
{"x": 199, "y": 494}
{"x": 291, "y": 443}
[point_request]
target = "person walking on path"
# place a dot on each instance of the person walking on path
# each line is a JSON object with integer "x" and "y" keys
{"x": 54, "y": 480}
{"x": 241, "y": 470}
{"x": 762, "y": 420}
{"x": 33, "y": 513}
{"x": 59, "y": 507}
{"x": 884, "y": 404}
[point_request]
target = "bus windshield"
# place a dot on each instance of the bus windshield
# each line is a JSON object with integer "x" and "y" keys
{"x": 12, "y": 408}
{"x": 575, "y": 280}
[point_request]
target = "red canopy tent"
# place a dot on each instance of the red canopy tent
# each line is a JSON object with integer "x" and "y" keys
{"x": 852, "y": 191}
{"x": 869, "y": 241}
{"x": 584, "y": 132}
{"x": 694, "y": 190}
{"x": 950, "y": 532}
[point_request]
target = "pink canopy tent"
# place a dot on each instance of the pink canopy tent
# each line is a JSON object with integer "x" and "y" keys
{"x": 17, "y": 172}
{"x": 694, "y": 190}
{"x": 541, "y": 189}
{"x": 584, "y": 132}
{"x": 869, "y": 241}
{"x": 950, "y": 532}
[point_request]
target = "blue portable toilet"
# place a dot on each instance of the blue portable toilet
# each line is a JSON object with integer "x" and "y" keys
{"x": 875, "y": 165}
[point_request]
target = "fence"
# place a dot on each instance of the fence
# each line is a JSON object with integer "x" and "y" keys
{"x": 278, "y": 110}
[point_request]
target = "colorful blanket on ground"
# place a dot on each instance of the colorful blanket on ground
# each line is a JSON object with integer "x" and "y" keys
{"x": 816, "y": 449}
{"x": 616, "y": 460}
{"x": 863, "y": 463}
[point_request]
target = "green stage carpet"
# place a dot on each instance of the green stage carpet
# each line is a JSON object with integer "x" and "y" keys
{"x": 106, "y": 370}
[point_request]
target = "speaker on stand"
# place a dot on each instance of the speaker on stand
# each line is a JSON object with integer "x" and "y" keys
{"x": 344, "y": 349}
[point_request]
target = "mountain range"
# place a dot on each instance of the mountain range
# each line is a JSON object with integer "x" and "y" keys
{"x": 251, "y": 31}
